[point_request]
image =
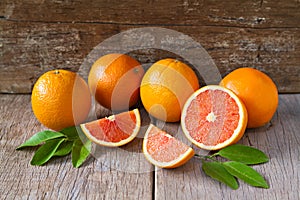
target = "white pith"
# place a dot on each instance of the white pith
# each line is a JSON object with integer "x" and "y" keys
{"x": 111, "y": 118}
{"x": 211, "y": 117}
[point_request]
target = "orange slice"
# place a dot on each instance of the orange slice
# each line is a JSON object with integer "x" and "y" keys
{"x": 213, "y": 118}
{"x": 115, "y": 130}
{"x": 163, "y": 150}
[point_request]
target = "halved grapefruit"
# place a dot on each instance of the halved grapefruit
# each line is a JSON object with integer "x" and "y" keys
{"x": 213, "y": 118}
{"x": 115, "y": 130}
{"x": 163, "y": 150}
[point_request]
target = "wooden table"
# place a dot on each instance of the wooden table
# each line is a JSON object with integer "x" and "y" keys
{"x": 38, "y": 35}
{"x": 98, "y": 179}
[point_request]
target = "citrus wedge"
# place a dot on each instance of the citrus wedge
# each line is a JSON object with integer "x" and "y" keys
{"x": 213, "y": 118}
{"x": 163, "y": 150}
{"x": 115, "y": 130}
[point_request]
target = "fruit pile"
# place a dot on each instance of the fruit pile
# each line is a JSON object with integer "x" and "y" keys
{"x": 212, "y": 117}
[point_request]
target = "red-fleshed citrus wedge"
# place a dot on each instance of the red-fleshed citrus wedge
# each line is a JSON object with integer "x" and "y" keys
{"x": 115, "y": 130}
{"x": 163, "y": 150}
{"x": 213, "y": 118}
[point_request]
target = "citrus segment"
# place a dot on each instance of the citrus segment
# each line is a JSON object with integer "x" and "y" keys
{"x": 214, "y": 117}
{"x": 115, "y": 130}
{"x": 163, "y": 150}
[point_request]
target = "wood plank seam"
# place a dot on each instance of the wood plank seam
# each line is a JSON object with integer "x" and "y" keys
{"x": 3, "y": 18}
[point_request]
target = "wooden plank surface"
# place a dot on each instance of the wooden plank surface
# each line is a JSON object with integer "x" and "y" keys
{"x": 280, "y": 141}
{"x": 257, "y": 13}
{"x": 101, "y": 177}
{"x": 98, "y": 178}
{"x": 60, "y": 34}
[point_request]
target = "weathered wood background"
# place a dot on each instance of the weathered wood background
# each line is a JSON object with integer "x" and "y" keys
{"x": 39, "y": 35}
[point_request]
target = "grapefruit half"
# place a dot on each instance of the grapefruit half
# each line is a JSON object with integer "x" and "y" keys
{"x": 213, "y": 118}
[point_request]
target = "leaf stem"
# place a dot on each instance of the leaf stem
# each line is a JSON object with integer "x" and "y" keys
{"x": 204, "y": 158}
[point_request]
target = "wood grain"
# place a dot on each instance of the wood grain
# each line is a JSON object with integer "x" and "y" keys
{"x": 58, "y": 179}
{"x": 279, "y": 140}
{"x": 258, "y": 13}
{"x": 60, "y": 34}
{"x": 102, "y": 178}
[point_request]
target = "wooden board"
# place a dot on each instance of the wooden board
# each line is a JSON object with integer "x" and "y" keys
{"x": 280, "y": 141}
{"x": 102, "y": 178}
{"x": 257, "y": 13}
{"x": 98, "y": 178}
{"x": 60, "y": 34}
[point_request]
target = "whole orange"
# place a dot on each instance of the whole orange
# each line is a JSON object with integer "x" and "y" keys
{"x": 166, "y": 86}
{"x": 257, "y": 91}
{"x": 114, "y": 80}
{"x": 60, "y": 99}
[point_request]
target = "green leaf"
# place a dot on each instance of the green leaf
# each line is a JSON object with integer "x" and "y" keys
{"x": 71, "y": 132}
{"x": 245, "y": 173}
{"x": 243, "y": 154}
{"x": 217, "y": 171}
{"x": 40, "y": 137}
{"x": 80, "y": 152}
{"x": 64, "y": 148}
{"x": 46, "y": 151}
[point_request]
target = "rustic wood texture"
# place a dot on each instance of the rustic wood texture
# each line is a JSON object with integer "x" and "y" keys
{"x": 38, "y": 35}
{"x": 96, "y": 179}
{"x": 280, "y": 140}
{"x": 101, "y": 178}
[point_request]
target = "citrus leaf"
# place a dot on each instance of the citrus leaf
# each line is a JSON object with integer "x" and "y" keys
{"x": 219, "y": 173}
{"x": 80, "y": 152}
{"x": 40, "y": 137}
{"x": 46, "y": 151}
{"x": 245, "y": 173}
{"x": 64, "y": 148}
{"x": 71, "y": 132}
{"x": 243, "y": 154}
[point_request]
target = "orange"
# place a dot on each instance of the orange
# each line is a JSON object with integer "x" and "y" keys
{"x": 165, "y": 87}
{"x": 257, "y": 91}
{"x": 115, "y": 130}
{"x": 60, "y": 99}
{"x": 114, "y": 80}
{"x": 213, "y": 118}
{"x": 163, "y": 150}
